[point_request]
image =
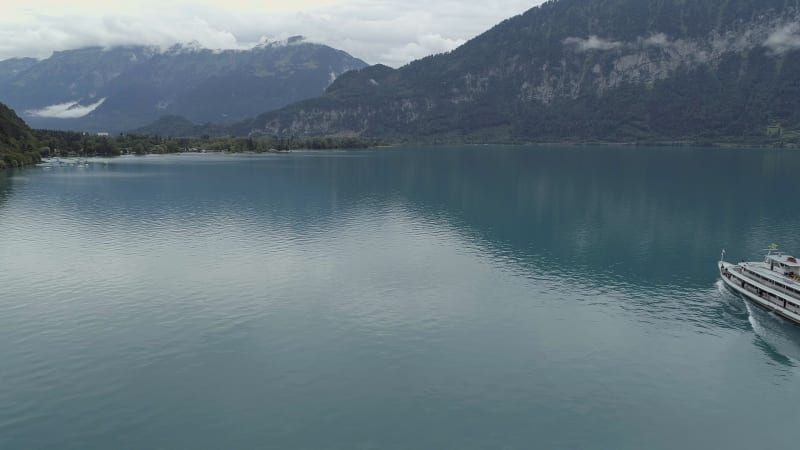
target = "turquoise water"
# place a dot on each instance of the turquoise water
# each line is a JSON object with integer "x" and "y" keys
{"x": 416, "y": 298}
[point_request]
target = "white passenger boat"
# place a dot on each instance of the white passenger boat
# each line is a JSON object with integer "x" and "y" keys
{"x": 773, "y": 284}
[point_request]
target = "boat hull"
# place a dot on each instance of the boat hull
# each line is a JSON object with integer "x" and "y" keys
{"x": 734, "y": 283}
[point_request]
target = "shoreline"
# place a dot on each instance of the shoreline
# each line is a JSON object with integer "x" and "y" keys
{"x": 79, "y": 160}
{"x": 644, "y": 144}
{"x": 75, "y": 159}
{"x": 288, "y": 146}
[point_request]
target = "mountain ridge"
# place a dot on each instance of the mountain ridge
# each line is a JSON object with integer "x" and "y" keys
{"x": 120, "y": 88}
{"x": 581, "y": 69}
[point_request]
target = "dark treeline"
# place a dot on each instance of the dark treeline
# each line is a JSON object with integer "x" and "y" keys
{"x": 66, "y": 143}
{"x": 17, "y": 144}
{"x": 29, "y": 148}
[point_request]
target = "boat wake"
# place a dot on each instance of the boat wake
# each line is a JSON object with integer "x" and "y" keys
{"x": 779, "y": 338}
{"x": 724, "y": 293}
{"x": 732, "y": 303}
{"x": 776, "y": 336}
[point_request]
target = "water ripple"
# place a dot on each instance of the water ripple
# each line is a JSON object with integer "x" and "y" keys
{"x": 387, "y": 299}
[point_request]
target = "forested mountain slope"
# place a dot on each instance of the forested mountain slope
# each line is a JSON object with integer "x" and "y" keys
{"x": 582, "y": 70}
{"x": 16, "y": 140}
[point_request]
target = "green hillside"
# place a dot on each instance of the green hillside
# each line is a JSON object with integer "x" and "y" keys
{"x": 17, "y": 145}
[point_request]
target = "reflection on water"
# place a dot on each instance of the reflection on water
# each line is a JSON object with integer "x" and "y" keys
{"x": 5, "y": 186}
{"x": 404, "y": 298}
{"x": 779, "y": 338}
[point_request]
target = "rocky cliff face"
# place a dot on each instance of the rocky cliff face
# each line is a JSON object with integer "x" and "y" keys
{"x": 605, "y": 69}
{"x": 123, "y": 88}
{"x": 596, "y": 65}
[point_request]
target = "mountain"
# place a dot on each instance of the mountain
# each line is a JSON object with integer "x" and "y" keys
{"x": 179, "y": 126}
{"x": 16, "y": 140}
{"x": 632, "y": 70}
{"x": 10, "y": 68}
{"x": 122, "y": 88}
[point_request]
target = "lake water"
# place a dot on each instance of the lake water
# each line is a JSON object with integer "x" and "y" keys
{"x": 414, "y": 298}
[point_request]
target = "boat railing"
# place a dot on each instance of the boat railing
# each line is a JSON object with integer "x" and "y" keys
{"x": 772, "y": 283}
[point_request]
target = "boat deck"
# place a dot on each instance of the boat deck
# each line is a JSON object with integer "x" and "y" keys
{"x": 755, "y": 285}
{"x": 763, "y": 270}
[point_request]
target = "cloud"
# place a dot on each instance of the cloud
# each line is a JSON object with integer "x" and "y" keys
{"x": 69, "y": 110}
{"x": 423, "y": 46}
{"x": 391, "y": 32}
{"x": 592, "y": 43}
{"x": 784, "y": 39}
{"x": 657, "y": 40}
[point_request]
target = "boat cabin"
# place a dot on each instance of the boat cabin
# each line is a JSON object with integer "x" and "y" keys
{"x": 783, "y": 264}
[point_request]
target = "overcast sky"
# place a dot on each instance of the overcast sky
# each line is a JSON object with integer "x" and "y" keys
{"x": 392, "y": 32}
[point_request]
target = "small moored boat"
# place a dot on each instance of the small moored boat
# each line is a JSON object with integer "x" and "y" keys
{"x": 773, "y": 284}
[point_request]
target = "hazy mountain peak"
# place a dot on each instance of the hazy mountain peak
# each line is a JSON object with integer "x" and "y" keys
{"x": 184, "y": 48}
{"x": 293, "y": 40}
{"x": 126, "y": 87}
